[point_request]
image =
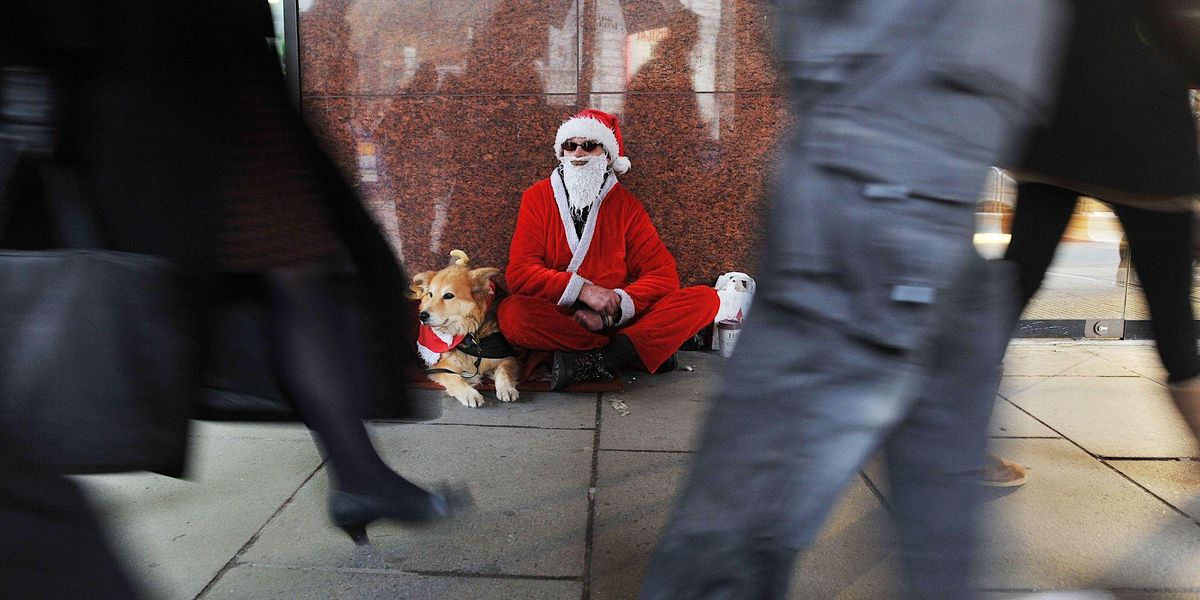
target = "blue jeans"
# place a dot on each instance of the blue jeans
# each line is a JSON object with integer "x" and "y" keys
{"x": 876, "y": 325}
{"x": 806, "y": 400}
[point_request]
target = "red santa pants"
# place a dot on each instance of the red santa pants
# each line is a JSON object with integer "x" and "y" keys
{"x": 656, "y": 332}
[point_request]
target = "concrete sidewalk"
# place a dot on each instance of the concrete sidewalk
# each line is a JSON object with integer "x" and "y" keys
{"x": 571, "y": 493}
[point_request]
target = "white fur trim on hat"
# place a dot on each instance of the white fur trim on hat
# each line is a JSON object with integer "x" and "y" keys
{"x": 621, "y": 165}
{"x": 592, "y": 129}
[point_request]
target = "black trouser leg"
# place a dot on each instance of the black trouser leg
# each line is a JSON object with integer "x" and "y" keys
{"x": 619, "y": 352}
{"x": 1043, "y": 212}
{"x": 321, "y": 364}
{"x": 1160, "y": 245}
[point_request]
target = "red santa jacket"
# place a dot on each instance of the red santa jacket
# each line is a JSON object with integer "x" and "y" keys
{"x": 619, "y": 249}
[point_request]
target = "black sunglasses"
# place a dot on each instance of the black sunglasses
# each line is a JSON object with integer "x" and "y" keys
{"x": 588, "y": 146}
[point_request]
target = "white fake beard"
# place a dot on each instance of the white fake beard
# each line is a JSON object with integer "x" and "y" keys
{"x": 583, "y": 182}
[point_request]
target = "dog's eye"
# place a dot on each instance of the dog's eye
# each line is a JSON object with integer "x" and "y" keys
{"x": 430, "y": 294}
{"x": 448, "y": 296}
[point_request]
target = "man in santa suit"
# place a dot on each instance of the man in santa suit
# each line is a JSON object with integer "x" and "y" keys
{"x": 590, "y": 278}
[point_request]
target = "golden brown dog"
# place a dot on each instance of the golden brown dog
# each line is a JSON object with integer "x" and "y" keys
{"x": 459, "y": 334}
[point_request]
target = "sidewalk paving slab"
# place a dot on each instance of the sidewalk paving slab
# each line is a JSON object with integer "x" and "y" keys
{"x": 1078, "y": 524}
{"x": 531, "y": 496}
{"x": 853, "y": 557}
{"x": 634, "y": 495}
{"x": 1110, "y": 416}
{"x": 1043, "y": 360}
{"x": 1090, "y": 595}
{"x": 636, "y": 491}
{"x": 248, "y": 582}
{"x": 665, "y": 411}
{"x": 1175, "y": 481}
{"x": 1140, "y": 357}
{"x": 1010, "y": 421}
{"x": 1010, "y": 385}
{"x": 546, "y": 410}
{"x": 286, "y": 430}
{"x": 1097, "y": 366}
{"x": 174, "y": 535}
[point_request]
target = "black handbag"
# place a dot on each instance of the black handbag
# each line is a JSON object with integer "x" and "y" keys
{"x": 239, "y": 381}
{"x": 97, "y": 350}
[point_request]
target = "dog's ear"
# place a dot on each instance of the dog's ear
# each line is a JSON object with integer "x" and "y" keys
{"x": 482, "y": 279}
{"x": 420, "y": 284}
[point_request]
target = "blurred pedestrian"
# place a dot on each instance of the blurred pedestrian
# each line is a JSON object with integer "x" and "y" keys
{"x": 1122, "y": 132}
{"x": 52, "y": 546}
{"x": 175, "y": 120}
{"x": 876, "y": 325}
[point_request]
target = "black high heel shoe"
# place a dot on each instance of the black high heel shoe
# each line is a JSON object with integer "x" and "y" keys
{"x": 353, "y": 512}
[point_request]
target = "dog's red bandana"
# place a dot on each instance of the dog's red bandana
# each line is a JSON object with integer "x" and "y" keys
{"x": 431, "y": 344}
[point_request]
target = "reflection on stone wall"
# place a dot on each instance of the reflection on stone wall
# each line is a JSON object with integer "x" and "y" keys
{"x": 443, "y": 113}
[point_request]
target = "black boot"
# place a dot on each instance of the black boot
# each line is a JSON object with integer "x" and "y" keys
{"x": 570, "y": 367}
{"x": 593, "y": 365}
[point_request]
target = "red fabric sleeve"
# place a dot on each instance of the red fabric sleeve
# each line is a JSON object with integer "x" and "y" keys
{"x": 527, "y": 273}
{"x": 652, "y": 271}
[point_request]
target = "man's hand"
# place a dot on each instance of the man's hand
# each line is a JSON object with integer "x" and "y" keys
{"x": 601, "y": 299}
{"x": 590, "y": 319}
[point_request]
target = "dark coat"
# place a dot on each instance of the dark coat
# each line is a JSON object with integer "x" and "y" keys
{"x": 157, "y": 99}
{"x": 1109, "y": 70}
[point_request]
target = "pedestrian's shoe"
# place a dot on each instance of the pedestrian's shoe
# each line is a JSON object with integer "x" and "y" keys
{"x": 1186, "y": 395}
{"x": 573, "y": 367}
{"x": 353, "y": 512}
{"x": 998, "y": 472}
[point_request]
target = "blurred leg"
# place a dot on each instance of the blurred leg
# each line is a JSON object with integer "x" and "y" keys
{"x": 801, "y": 408}
{"x": 933, "y": 457}
{"x": 1161, "y": 249}
{"x": 320, "y": 360}
{"x": 1161, "y": 252}
{"x": 1043, "y": 212}
{"x": 51, "y": 545}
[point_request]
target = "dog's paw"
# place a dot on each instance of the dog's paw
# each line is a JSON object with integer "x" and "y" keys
{"x": 471, "y": 397}
{"x": 507, "y": 394}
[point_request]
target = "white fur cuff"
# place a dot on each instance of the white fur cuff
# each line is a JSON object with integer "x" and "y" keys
{"x": 571, "y": 294}
{"x": 627, "y": 310}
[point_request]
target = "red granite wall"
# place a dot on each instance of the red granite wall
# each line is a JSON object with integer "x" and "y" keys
{"x": 443, "y": 112}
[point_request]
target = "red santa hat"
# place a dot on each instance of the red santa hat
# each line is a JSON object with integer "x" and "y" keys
{"x": 595, "y": 125}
